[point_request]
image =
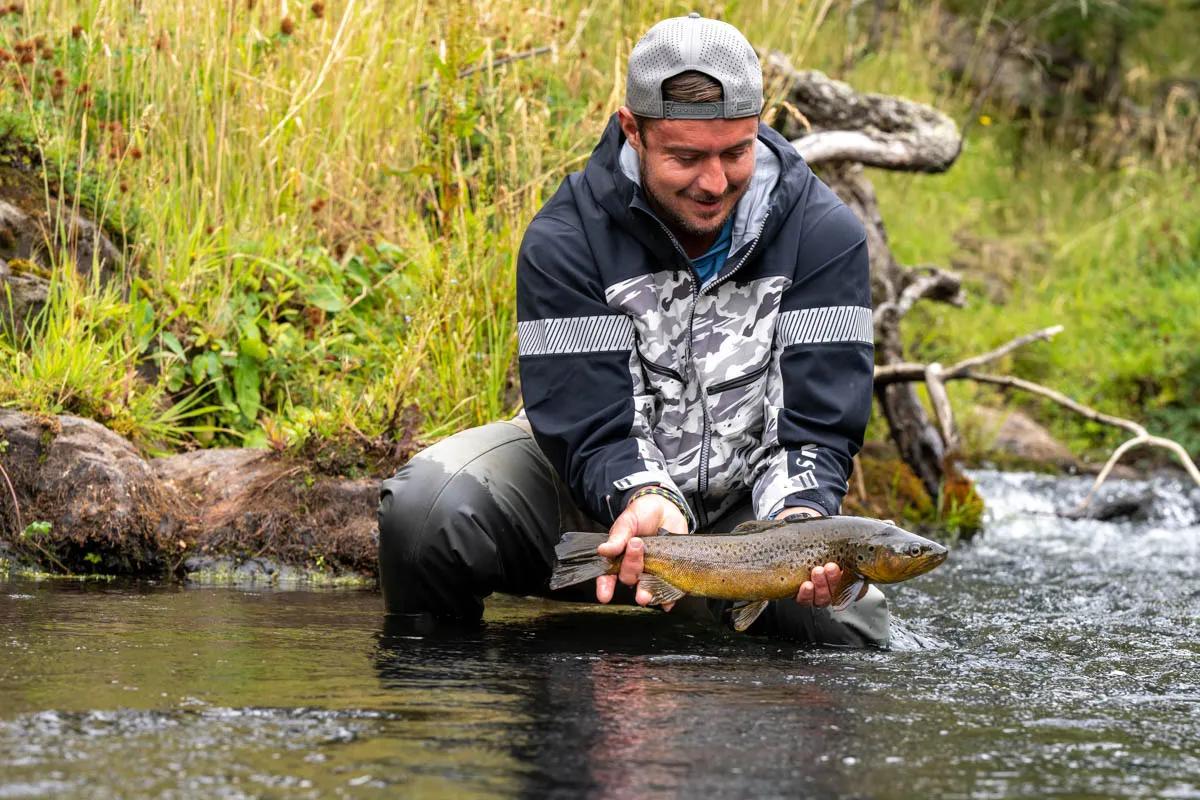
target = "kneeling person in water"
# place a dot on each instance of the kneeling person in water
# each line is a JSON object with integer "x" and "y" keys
{"x": 696, "y": 351}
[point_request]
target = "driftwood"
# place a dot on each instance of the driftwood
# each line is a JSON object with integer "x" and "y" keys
{"x": 838, "y": 131}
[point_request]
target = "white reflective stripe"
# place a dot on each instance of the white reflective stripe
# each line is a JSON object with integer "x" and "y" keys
{"x": 541, "y": 337}
{"x": 643, "y": 478}
{"x": 824, "y": 325}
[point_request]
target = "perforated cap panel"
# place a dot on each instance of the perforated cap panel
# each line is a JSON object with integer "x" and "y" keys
{"x": 688, "y": 43}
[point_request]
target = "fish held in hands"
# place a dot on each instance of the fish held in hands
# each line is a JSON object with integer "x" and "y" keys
{"x": 759, "y": 561}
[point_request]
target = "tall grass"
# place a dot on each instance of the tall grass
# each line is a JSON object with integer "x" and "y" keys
{"x": 324, "y": 201}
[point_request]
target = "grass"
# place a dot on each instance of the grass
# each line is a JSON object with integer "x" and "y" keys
{"x": 324, "y": 211}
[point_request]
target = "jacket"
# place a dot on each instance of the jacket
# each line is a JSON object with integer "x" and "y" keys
{"x": 758, "y": 381}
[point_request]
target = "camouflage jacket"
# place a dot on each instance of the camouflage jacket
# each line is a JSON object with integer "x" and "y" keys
{"x": 757, "y": 382}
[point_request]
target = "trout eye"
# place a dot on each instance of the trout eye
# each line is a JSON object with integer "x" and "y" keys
{"x": 914, "y": 550}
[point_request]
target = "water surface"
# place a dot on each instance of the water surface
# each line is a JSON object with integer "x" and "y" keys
{"x": 1047, "y": 658}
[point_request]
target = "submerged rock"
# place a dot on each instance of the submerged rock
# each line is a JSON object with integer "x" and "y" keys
{"x": 1015, "y": 435}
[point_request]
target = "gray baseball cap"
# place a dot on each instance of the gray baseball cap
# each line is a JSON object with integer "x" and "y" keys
{"x": 682, "y": 44}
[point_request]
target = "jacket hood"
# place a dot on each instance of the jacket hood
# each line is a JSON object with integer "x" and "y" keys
{"x": 779, "y": 180}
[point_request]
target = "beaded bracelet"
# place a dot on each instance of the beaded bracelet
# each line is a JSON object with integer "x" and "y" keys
{"x": 660, "y": 492}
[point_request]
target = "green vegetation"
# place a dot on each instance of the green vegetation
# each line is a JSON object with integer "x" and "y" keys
{"x": 324, "y": 210}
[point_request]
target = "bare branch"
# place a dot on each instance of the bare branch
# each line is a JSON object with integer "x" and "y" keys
{"x": 1057, "y": 397}
{"x": 936, "y": 284}
{"x": 1005, "y": 349}
{"x": 940, "y": 401}
{"x": 910, "y": 371}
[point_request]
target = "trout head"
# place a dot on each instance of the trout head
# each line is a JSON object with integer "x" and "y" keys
{"x": 892, "y": 554}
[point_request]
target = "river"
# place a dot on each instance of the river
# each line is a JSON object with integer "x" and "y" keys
{"x": 1047, "y": 657}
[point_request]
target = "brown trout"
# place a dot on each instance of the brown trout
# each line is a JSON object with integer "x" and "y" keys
{"x": 760, "y": 561}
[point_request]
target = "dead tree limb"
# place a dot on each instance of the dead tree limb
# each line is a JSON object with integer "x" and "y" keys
{"x": 935, "y": 377}
{"x": 876, "y": 130}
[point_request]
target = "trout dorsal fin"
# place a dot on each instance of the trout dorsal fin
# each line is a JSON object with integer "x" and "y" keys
{"x": 758, "y": 526}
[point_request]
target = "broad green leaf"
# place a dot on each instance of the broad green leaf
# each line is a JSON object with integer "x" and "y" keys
{"x": 326, "y": 297}
{"x": 246, "y": 383}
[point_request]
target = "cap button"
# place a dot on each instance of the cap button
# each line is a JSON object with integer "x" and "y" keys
{"x": 694, "y": 15}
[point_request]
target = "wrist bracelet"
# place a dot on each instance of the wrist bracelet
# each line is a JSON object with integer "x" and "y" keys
{"x": 660, "y": 492}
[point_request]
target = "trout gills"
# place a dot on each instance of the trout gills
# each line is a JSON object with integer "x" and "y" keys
{"x": 759, "y": 561}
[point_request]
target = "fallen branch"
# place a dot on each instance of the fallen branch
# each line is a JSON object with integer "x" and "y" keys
{"x": 935, "y": 284}
{"x": 909, "y": 371}
{"x": 935, "y": 377}
{"x": 1141, "y": 435}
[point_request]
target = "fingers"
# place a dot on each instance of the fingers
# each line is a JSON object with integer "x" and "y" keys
{"x": 818, "y": 589}
{"x": 631, "y": 564}
{"x": 624, "y": 528}
{"x": 631, "y": 568}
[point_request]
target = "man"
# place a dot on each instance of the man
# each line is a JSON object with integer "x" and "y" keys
{"x": 695, "y": 344}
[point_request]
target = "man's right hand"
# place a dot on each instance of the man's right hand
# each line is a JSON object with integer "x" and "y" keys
{"x": 644, "y": 516}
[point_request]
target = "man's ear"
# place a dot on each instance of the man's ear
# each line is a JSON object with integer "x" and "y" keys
{"x": 630, "y": 129}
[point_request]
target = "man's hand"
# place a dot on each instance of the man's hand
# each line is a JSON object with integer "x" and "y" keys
{"x": 818, "y": 589}
{"x": 642, "y": 517}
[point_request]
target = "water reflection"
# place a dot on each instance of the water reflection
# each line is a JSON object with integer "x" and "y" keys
{"x": 623, "y": 704}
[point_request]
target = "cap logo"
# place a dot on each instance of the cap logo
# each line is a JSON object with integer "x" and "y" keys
{"x": 691, "y": 110}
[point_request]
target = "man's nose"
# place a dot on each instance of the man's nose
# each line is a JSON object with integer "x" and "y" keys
{"x": 712, "y": 177}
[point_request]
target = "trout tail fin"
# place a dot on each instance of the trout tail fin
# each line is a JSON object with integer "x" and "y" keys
{"x": 578, "y": 560}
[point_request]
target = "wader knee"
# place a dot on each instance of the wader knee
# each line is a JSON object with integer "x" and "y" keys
{"x": 466, "y": 517}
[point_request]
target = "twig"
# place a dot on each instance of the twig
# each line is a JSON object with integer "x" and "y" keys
{"x": 13, "y": 492}
{"x": 499, "y": 62}
{"x": 1004, "y": 349}
{"x": 906, "y": 371}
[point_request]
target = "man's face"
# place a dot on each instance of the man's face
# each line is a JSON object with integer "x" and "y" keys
{"x": 694, "y": 171}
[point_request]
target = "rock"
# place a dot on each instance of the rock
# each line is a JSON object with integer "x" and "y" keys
{"x": 22, "y": 296}
{"x": 1014, "y": 434}
{"x": 28, "y": 232}
{"x": 253, "y": 503}
{"x": 106, "y": 509}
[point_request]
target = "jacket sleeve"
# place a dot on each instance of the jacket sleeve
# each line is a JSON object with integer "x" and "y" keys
{"x": 819, "y": 386}
{"x": 582, "y": 386}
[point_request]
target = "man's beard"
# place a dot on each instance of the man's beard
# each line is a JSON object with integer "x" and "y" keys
{"x": 675, "y": 221}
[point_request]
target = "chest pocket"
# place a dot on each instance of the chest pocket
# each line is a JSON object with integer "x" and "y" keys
{"x": 667, "y": 385}
{"x": 736, "y": 404}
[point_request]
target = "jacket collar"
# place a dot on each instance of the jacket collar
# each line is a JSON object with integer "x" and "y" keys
{"x": 780, "y": 176}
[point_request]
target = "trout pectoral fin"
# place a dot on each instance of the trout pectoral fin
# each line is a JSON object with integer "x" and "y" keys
{"x": 660, "y": 591}
{"x": 744, "y": 615}
{"x": 850, "y": 589}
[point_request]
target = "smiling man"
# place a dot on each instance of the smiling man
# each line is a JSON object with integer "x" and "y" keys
{"x": 695, "y": 348}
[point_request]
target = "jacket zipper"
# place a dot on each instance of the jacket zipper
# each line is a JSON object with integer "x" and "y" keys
{"x": 659, "y": 368}
{"x": 706, "y": 436}
{"x": 699, "y": 501}
{"x": 706, "y": 439}
{"x": 741, "y": 380}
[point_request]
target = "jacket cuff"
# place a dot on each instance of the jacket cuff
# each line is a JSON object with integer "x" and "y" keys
{"x": 788, "y": 503}
{"x": 625, "y": 487}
